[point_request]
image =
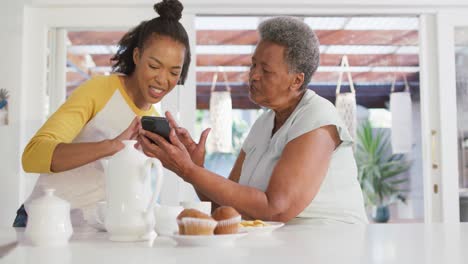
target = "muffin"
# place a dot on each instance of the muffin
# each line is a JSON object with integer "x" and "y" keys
{"x": 195, "y": 222}
{"x": 184, "y": 213}
{"x": 228, "y": 220}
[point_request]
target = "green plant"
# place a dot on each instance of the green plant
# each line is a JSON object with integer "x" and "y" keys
{"x": 4, "y": 94}
{"x": 239, "y": 129}
{"x": 3, "y": 97}
{"x": 379, "y": 171}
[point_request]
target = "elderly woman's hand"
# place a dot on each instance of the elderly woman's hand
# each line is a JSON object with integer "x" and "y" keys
{"x": 196, "y": 151}
{"x": 174, "y": 157}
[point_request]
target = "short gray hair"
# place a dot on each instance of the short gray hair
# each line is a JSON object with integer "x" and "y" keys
{"x": 302, "y": 52}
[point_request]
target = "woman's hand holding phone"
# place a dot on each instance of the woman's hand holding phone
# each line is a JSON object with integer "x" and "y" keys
{"x": 197, "y": 151}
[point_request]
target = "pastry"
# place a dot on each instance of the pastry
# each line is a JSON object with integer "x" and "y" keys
{"x": 228, "y": 220}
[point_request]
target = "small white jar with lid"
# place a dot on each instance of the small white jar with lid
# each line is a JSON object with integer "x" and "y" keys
{"x": 49, "y": 221}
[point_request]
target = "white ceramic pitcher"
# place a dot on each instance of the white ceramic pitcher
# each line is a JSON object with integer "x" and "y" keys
{"x": 130, "y": 200}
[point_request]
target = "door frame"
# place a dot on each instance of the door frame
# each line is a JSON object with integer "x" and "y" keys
{"x": 39, "y": 19}
{"x": 447, "y": 21}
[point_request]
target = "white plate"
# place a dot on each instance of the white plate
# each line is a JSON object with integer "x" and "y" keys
{"x": 262, "y": 229}
{"x": 207, "y": 240}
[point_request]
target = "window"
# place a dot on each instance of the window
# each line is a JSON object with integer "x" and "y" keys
{"x": 379, "y": 49}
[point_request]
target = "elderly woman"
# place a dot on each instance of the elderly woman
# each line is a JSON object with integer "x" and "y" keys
{"x": 297, "y": 163}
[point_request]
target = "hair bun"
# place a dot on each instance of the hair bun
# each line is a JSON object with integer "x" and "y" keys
{"x": 169, "y": 9}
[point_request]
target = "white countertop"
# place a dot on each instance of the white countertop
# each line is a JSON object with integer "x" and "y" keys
{"x": 376, "y": 243}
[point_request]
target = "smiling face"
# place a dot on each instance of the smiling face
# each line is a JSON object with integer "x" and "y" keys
{"x": 270, "y": 83}
{"x": 158, "y": 67}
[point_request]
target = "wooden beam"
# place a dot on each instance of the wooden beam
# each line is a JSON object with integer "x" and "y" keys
{"x": 370, "y": 96}
{"x": 368, "y": 37}
{"x": 326, "y": 37}
{"x": 250, "y": 37}
{"x": 95, "y": 37}
{"x": 74, "y": 78}
{"x": 318, "y": 77}
{"x": 102, "y": 60}
{"x": 79, "y": 61}
{"x": 230, "y": 37}
{"x": 372, "y": 60}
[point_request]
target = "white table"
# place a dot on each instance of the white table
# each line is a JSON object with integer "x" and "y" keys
{"x": 377, "y": 243}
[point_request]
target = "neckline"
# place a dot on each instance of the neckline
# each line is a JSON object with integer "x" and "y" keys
{"x": 123, "y": 92}
{"x": 272, "y": 118}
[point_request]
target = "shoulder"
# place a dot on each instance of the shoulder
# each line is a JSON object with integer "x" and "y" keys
{"x": 96, "y": 85}
{"x": 313, "y": 107}
{"x": 98, "y": 88}
{"x": 313, "y": 101}
{"x": 314, "y": 112}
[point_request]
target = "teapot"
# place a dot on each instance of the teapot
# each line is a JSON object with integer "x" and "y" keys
{"x": 49, "y": 221}
{"x": 130, "y": 201}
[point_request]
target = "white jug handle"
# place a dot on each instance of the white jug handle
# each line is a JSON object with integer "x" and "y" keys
{"x": 159, "y": 182}
{"x": 98, "y": 218}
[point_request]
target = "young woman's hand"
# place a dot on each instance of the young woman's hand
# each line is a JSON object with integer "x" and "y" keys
{"x": 197, "y": 151}
{"x": 130, "y": 133}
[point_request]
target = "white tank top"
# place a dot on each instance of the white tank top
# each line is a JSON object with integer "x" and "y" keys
{"x": 339, "y": 198}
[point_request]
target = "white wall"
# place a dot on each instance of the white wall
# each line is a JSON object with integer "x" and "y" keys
{"x": 11, "y": 41}
{"x": 237, "y": 3}
{"x": 12, "y": 18}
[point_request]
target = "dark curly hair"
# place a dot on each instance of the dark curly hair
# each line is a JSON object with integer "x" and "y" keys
{"x": 167, "y": 24}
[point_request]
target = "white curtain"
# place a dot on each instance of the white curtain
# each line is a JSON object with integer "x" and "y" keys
{"x": 346, "y": 102}
{"x": 220, "y": 137}
{"x": 402, "y": 118}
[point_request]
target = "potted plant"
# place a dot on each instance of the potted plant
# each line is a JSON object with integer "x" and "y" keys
{"x": 379, "y": 171}
{"x": 3, "y": 106}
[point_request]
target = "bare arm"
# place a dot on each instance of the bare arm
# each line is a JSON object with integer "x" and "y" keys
{"x": 233, "y": 176}
{"x": 73, "y": 155}
{"x": 236, "y": 170}
{"x": 51, "y": 149}
{"x": 295, "y": 180}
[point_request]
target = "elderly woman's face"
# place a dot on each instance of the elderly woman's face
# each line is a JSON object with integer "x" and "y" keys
{"x": 269, "y": 80}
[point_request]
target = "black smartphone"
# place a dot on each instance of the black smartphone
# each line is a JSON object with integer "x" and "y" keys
{"x": 157, "y": 125}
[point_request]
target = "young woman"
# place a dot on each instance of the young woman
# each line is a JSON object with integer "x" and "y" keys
{"x": 152, "y": 59}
